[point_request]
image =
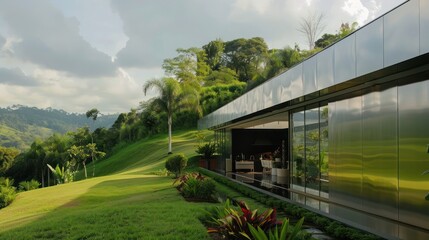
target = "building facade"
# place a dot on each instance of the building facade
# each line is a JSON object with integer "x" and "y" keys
{"x": 350, "y": 126}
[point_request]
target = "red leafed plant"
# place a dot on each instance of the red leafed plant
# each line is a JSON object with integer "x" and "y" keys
{"x": 185, "y": 177}
{"x": 235, "y": 223}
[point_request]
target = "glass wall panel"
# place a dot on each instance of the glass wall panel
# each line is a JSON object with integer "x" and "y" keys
{"x": 424, "y": 29}
{"x": 312, "y": 165}
{"x": 401, "y": 33}
{"x": 309, "y": 75}
{"x": 345, "y": 59}
{"x": 298, "y": 143}
{"x": 325, "y": 68}
{"x": 380, "y": 153}
{"x": 324, "y": 154}
{"x": 369, "y": 45}
{"x": 413, "y": 110}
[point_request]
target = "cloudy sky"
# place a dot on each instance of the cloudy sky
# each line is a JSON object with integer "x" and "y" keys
{"x": 80, "y": 54}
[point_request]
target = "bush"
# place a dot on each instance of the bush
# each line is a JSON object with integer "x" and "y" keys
{"x": 7, "y": 192}
{"x": 241, "y": 223}
{"x": 176, "y": 164}
{"x": 206, "y": 150}
{"x": 29, "y": 185}
{"x": 194, "y": 185}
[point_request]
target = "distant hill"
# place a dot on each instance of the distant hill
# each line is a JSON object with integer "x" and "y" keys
{"x": 20, "y": 125}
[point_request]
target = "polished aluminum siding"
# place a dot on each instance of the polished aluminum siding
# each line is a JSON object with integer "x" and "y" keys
{"x": 369, "y": 42}
{"x": 402, "y": 26}
{"x": 380, "y": 153}
{"x": 413, "y": 157}
{"x": 347, "y": 189}
{"x": 424, "y": 26}
{"x": 395, "y": 37}
{"x": 378, "y": 150}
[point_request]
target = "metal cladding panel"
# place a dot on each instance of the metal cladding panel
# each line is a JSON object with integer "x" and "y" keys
{"x": 401, "y": 33}
{"x": 380, "y": 153}
{"x": 369, "y": 45}
{"x": 413, "y": 153}
{"x": 347, "y": 187}
{"x": 424, "y": 26}
{"x": 276, "y": 90}
{"x": 259, "y": 94}
{"x": 286, "y": 93}
{"x": 268, "y": 94}
{"x": 296, "y": 81}
{"x": 309, "y": 75}
{"x": 345, "y": 59}
{"x": 325, "y": 68}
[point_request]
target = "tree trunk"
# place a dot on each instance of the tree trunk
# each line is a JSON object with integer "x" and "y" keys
{"x": 43, "y": 179}
{"x": 170, "y": 122}
{"x": 84, "y": 167}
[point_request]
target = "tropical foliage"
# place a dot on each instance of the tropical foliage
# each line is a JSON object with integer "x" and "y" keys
{"x": 195, "y": 186}
{"x": 7, "y": 192}
{"x": 241, "y": 222}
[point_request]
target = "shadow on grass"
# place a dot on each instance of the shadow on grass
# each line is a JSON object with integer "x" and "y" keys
{"x": 129, "y": 208}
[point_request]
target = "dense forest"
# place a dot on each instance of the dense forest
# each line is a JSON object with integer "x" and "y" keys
{"x": 197, "y": 81}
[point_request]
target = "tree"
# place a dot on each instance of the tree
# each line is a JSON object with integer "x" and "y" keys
{"x": 78, "y": 155}
{"x": 328, "y": 39}
{"x": 7, "y": 156}
{"x": 169, "y": 100}
{"x": 93, "y": 113}
{"x": 246, "y": 56}
{"x": 311, "y": 27}
{"x": 188, "y": 67}
{"x": 214, "y": 52}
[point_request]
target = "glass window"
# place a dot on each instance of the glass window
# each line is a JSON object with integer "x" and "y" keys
{"x": 298, "y": 141}
{"x": 324, "y": 158}
{"x": 312, "y": 166}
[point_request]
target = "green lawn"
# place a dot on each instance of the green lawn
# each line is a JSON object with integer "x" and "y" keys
{"x": 130, "y": 203}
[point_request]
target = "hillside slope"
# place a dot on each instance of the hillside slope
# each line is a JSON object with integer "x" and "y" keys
{"x": 20, "y": 125}
{"x": 130, "y": 203}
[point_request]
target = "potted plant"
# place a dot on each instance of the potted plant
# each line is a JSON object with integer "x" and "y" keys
{"x": 276, "y": 166}
{"x": 207, "y": 151}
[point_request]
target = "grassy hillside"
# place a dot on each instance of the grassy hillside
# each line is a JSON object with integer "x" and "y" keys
{"x": 130, "y": 203}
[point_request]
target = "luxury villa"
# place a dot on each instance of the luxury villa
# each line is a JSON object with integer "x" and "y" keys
{"x": 344, "y": 133}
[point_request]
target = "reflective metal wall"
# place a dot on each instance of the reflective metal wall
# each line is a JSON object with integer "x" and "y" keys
{"x": 347, "y": 189}
{"x": 378, "y": 150}
{"x": 413, "y": 108}
{"x": 399, "y": 35}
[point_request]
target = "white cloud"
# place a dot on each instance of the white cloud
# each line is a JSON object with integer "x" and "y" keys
{"x": 356, "y": 9}
{"x": 51, "y": 40}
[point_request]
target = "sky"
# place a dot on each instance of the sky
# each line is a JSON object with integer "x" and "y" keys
{"x": 83, "y": 54}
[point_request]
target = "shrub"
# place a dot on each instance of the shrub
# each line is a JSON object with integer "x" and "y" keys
{"x": 7, "y": 192}
{"x": 206, "y": 150}
{"x": 194, "y": 185}
{"x": 176, "y": 164}
{"x": 29, "y": 185}
{"x": 286, "y": 232}
{"x": 234, "y": 224}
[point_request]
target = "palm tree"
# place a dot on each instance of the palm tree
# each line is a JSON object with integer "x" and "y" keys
{"x": 93, "y": 113}
{"x": 172, "y": 97}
